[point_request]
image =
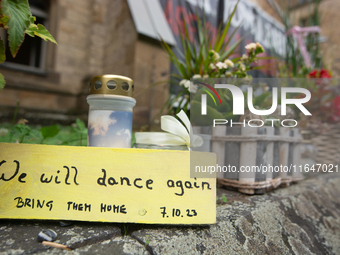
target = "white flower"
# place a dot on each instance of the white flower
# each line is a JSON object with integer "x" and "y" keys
{"x": 243, "y": 67}
{"x": 229, "y": 63}
{"x": 206, "y": 76}
{"x": 251, "y": 46}
{"x": 185, "y": 83}
{"x": 181, "y": 83}
{"x": 188, "y": 85}
{"x": 221, "y": 65}
{"x": 196, "y": 76}
{"x": 228, "y": 74}
{"x": 193, "y": 88}
{"x": 244, "y": 57}
{"x": 215, "y": 55}
{"x": 212, "y": 66}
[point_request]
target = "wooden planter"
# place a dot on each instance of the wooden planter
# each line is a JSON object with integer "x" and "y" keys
{"x": 248, "y": 147}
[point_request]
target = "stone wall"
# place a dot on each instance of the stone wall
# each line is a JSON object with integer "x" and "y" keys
{"x": 152, "y": 66}
{"x": 121, "y": 39}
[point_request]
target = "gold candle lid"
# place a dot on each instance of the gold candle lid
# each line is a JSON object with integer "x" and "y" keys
{"x": 111, "y": 84}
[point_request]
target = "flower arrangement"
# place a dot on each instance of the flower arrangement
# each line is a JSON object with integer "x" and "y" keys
{"x": 227, "y": 68}
{"x": 208, "y": 58}
{"x": 236, "y": 68}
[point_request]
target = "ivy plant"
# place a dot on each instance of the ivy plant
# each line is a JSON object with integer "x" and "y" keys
{"x": 16, "y": 18}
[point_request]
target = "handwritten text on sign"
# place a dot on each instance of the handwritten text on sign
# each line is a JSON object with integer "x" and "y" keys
{"x": 103, "y": 184}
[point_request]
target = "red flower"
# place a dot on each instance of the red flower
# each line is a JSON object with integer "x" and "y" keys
{"x": 325, "y": 74}
{"x": 313, "y": 74}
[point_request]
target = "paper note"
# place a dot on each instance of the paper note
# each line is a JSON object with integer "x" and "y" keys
{"x": 103, "y": 184}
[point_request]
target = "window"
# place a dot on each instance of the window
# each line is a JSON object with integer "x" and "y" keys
{"x": 31, "y": 55}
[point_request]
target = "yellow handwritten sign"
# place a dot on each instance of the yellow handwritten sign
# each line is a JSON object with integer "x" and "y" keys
{"x": 103, "y": 184}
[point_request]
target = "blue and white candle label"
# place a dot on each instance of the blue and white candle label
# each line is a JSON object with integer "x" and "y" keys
{"x": 108, "y": 128}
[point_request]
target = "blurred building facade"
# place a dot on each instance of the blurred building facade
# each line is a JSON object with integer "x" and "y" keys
{"x": 301, "y": 11}
{"x": 96, "y": 37}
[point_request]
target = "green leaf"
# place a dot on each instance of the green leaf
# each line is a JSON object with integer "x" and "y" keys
{"x": 80, "y": 124}
{"x": 230, "y": 51}
{"x": 32, "y": 19}
{"x": 50, "y": 131}
{"x": 230, "y": 37}
{"x": 2, "y": 82}
{"x": 40, "y": 31}
{"x": 220, "y": 40}
{"x": 3, "y": 20}
{"x": 183, "y": 70}
{"x": 28, "y": 31}
{"x": 22, "y": 130}
{"x": 2, "y": 51}
{"x": 171, "y": 55}
{"x": 18, "y": 12}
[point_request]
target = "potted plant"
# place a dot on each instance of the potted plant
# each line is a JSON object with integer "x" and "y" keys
{"x": 208, "y": 57}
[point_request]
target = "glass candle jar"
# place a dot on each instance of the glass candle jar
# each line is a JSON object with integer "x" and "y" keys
{"x": 110, "y": 112}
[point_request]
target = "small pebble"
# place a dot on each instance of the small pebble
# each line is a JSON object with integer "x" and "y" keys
{"x": 47, "y": 235}
{"x": 65, "y": 223}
